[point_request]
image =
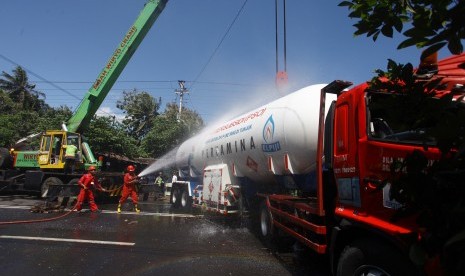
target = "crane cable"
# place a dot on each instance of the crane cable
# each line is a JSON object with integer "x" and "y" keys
{"x": 281, "y": 76}
{"x": 284, "y": 38}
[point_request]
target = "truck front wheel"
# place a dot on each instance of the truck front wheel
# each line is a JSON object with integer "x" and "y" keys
{"x": 185, "y": 199}
{"x": 370, "y": 257}
{"x": 5, "y": 158}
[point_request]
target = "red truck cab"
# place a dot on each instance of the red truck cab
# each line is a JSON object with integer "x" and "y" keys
{"x": 373, "y": 134}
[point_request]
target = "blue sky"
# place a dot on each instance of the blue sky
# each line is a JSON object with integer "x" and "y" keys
{"x": 69, "y": 42}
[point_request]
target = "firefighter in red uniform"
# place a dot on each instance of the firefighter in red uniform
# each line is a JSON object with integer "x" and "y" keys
{"x": 87, "y": 182}
{"x": 129, "y": 188}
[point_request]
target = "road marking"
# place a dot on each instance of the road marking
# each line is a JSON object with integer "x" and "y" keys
{"x": 66, "y": 240}
{"x": 152, "y": 214}
{"x": 15, "y": 207}
{"x": 113, "y": 212}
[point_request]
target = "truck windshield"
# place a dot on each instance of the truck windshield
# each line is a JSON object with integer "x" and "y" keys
{"x": 399, "y": 118}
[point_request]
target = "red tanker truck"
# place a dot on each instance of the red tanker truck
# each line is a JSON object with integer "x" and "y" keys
{"x": 315, "y": 165}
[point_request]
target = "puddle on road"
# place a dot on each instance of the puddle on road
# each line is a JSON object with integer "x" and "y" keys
{"x": 206, "y": 229}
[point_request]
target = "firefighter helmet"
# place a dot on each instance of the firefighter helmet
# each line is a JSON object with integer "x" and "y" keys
{"x": 131, "y": 168}
{"x": 91, "y": 168}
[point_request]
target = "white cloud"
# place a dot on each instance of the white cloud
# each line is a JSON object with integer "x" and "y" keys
{"x": 106, "y": 111}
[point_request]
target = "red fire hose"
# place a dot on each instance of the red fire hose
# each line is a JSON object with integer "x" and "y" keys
{"x": 47, "y": 219}
{"x": 38, "y": 220}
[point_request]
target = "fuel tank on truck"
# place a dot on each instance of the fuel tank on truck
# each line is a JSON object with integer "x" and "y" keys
{"x": 275, "y": 139}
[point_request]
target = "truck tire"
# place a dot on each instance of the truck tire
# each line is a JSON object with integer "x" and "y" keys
{"x": 44, "y": 188}
{"x": 68, "y": 192}
{"x": 73, "y": 188}
{"x": 5, "y": 158}
{"x": 175, "y": 197}
{"x": 185, "y": 199}
{"x": 267, "y": 230}
{"x": 371, "y": 257}
{"x": 241, "y": 206}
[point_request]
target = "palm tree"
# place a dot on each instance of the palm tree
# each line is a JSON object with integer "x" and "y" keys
{"x": 19, "y": 89}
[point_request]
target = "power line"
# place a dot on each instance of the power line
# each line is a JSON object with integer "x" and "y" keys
{"x": 45, "y": 80}
{"x": 91, "y": 82}
{"x": 219, "y": 44}
{"x": 37, "y": 76}
{"x": 150, "y": 81}
{"x": 195, "y": 81}
{"x": 147, "y": 81}
{"x": 113, "y": 89}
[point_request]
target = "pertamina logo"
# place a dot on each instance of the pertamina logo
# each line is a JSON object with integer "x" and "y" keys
{"x": 268, "y": 137}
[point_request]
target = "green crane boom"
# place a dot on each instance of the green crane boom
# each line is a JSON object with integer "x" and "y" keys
{"x": 110, "y": 73}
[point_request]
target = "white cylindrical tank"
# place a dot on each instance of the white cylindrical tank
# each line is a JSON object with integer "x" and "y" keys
{"x": 274, "y": 139}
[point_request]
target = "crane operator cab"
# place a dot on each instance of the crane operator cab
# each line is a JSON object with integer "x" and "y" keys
{"x": 54, "y": 146}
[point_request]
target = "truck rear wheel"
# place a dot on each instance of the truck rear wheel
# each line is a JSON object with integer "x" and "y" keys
{"x": 175, "y": 197}
{"x": 267, "y": 229}
{"x": 45, "y": 188}
{"x": 370, "y": 257}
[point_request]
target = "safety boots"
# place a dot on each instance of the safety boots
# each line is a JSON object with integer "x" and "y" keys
{"x": 135, "y": 207}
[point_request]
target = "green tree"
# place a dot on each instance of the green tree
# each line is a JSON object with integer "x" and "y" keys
{"x": 23, "y": 113}
{"x": 19, "y": 89}
{"x": 165, "y": 135}
{"x": 52, "y": 118}
{"x": 108, "y": 136}
{"x": 7, "y": 105}
{"x": 7, "y": 130}
{"x": 140, "y": 110}
{"x": 168, "y": 131}
{"x": 433, "y": 23}
{"x": 16, "y": 126}
{"x": 190, "y": 118}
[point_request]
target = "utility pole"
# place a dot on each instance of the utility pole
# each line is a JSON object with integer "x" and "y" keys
{"x": 181, "y": 92}
{"x": 281, "y": 75}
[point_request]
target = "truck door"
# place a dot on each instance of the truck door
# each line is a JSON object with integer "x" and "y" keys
{"x": 45, "y": 149}
{"x": 394, "y": 130}
{"x": 57, "y": 151}
{"x": 345, "y": 152}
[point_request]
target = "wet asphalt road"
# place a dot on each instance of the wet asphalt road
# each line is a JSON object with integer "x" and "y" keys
{"x": 158, "y": 241}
